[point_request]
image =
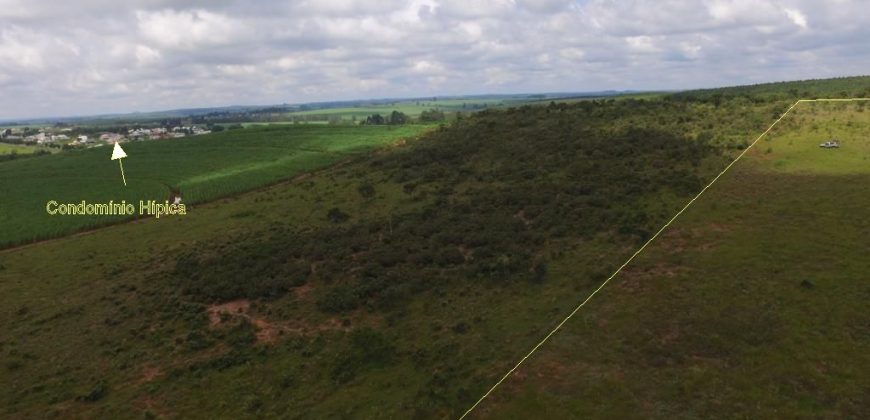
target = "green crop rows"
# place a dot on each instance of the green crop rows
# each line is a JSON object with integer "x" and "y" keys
{"x": 202, "y": 168}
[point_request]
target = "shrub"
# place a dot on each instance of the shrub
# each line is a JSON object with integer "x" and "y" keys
{"x": 96, "y": 393}
{"x": 366, "y": 191}
{"x": 339, "y": 299}
{"x": 335, "y": 215}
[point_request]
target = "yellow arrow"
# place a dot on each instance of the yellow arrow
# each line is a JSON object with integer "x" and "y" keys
{"x": 118, "y": 154}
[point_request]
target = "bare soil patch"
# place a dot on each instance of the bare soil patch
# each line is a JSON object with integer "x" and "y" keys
{"x": 268, "y": 331}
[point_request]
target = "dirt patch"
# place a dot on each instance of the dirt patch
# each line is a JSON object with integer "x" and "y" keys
{"x": 719, "y": 227}
{"x": 670, "y": 335}
{"x": 302, "y": 291}
{"x": 150, "y": 373}
{"x": 268, "y": 331}
{"x": 521, "y": 215}
{"x": 467, "y": 254}
{"x": 232, "y": 308}
{"x": 152, "y": 405}
{"x": 633, "y": 278}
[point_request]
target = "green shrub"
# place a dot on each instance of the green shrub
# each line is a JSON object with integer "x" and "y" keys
{"x": 96, "y": 393}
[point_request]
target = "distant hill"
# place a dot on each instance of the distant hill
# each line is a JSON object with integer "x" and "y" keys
{"x": 843, "y": 87}
{"x": 236, "y": 109}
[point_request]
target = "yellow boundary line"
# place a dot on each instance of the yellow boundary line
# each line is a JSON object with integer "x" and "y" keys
{"x": 639, "y": 250}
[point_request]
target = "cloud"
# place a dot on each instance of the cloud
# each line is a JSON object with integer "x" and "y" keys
{"x": 642, "y": 44}
{"x": 188, "y": 29}
{"x": 797, "y": 17}
{"x": 97, "y": 56}
{"x": 146, "y": 55}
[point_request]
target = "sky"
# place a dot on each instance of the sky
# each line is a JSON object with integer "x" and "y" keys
{"x": 83, "y": 57}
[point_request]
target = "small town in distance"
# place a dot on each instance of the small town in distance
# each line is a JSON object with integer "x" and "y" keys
{"x": 61, "y": 136}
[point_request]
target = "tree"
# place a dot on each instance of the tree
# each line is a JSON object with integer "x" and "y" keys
{"x": 375, "y": 119}
{"x": 397, "y": 118}
{"x": 431, "y": 115}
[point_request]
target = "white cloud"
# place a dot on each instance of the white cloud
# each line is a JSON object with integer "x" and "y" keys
{"x": 428, "y": 67}
{"x": 236, "y": 69}
{"x": 18, "y": 53}
{"x": 499, "y": 76}
{"x": 642, "y": 43}
{"x": 99, "y": 56}
{"x": 188, "y": 29}
{"x": 146, "y": 55}
{"x": 690, "y": 50}
{"x": 572, "y": 53}
{"x": 797, "y": 17}
{"x": 545, "y": 6}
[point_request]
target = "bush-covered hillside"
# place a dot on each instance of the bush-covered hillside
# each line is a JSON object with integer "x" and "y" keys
{"x": 491, "y": 190}
{"x": 843, "y": 87}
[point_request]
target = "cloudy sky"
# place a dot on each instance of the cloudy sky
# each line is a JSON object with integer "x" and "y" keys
{"x": 93, "y": 56}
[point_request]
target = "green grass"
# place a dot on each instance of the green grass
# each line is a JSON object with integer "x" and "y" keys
{"x": 752, "y": 304}
{"x": 6, "y": 148}
{"x": 202, "y": 168}
{"x": 798, "y": 151}
{"x": 412, "y": 108}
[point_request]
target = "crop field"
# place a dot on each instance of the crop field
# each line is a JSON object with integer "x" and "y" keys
{"x": 201, "y": 168}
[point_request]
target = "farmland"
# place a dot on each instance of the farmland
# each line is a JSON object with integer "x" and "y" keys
{"x": 322, "y": 113}
{"x": 404, "y": 283}
{"x": 201, "y": 168}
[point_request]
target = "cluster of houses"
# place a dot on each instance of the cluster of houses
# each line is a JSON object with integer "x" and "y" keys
{"x": 39, "y": 138}
{"x": 45, "y": 138}
{"x": 166, "y": 133}
{"x": 64, "y": 136}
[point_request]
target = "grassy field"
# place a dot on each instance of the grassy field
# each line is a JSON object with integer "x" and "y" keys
{"x": 796, "y": 149}
{"x": 753, "y": 303}
{"x": 6, "y": 148}
{"x": 202, "y": 168}
{"x": 412, "y": 108}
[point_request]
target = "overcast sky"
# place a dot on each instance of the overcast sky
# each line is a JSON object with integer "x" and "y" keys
{"x": 92, "y": 56}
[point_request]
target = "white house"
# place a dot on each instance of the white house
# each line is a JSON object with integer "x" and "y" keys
{"x": 40, "y": 138}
